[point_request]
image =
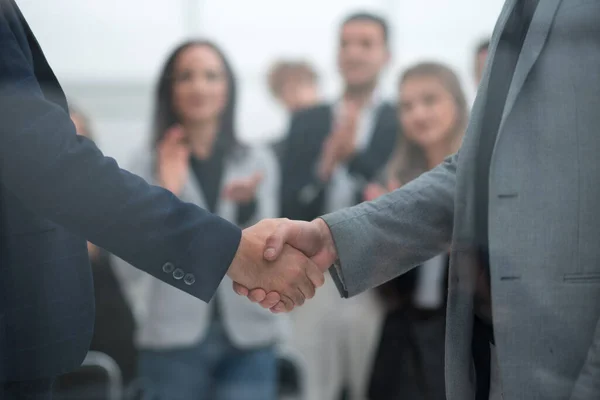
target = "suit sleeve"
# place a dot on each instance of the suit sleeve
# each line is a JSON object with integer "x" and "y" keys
{"x": 65, "y": 178}
{"x": 587, "y": 385}
{"x": 380, "y": 240}
{"x": 296, "y": 174}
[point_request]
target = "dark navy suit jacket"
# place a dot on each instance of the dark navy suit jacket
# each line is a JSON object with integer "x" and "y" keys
{"x": 56, "y": 190}
{"x": 308, "y": 130}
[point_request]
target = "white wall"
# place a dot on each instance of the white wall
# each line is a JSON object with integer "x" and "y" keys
{"x": 107, "y": 53}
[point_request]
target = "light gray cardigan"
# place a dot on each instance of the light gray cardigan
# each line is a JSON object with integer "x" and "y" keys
{"x": 167, "y": 317}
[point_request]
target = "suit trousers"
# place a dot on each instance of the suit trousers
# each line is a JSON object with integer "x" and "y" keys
{"x": 495, "y": 383}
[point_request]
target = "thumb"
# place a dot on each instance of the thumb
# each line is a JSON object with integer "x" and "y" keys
{"x": 258, "y": 177}
{"x": 240, "y": 289}
{"x": 393, "y": 184}
{"x": 171, "y": 140}
{"x": 175, "y": 134}
{"x": 227, "y": 191}
{"x": 285, "y": 232}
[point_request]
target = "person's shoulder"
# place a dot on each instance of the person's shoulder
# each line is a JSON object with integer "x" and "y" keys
{"x": 388, "y": 105}
{"x": 388, "y": 114}
{"x": 315, "y": 120}
{"x": 8, "y": 13}
{"x": 310, "y": 113}
{"x": 140, "y": 162}
{"x": 387, "y": 109}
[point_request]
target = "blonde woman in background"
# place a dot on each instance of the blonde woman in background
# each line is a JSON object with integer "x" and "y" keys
{"x": 396, "y": 347}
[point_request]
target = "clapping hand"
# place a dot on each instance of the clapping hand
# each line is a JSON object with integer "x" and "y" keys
{"x": 340, "y": 145}
{"x": 243, "y": 191}
{"x": 173, "y": 159}
{"x": 376, "y": 190}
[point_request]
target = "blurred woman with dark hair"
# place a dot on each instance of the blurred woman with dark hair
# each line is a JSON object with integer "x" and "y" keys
{"x": 188, "y": 349}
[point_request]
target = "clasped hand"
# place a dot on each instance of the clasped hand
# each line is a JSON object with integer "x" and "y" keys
{"x": 280, "y": 263}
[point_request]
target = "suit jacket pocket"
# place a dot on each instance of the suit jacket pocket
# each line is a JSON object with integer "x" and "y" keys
{"x": 584, "y": 277}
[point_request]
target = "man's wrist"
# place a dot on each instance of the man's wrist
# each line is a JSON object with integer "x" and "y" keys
{"x": 326, "y": 237}
{"x": 236, "y": 267}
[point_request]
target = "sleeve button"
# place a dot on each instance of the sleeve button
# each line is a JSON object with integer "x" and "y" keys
{"x": 189, "y": 279}
{"x": 168, "y": 268}
{"x": 178, "y": 273}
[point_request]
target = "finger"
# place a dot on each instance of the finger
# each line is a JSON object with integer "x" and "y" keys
{"x": 233, "y": 193}
{"x": 226, "y": 192}
{"x": 305, "y": 285}
{"x": 257, "y": 295}
{"x": 258, "y": 177}
{"x": 393, "y": 184}
{"x": 271, "y": 300}
{"x": 173, "y": 145}
{"x": 316, "y": 276}
{"x": 240, "y": 289}
{"x": 297, "y": 297}
{"x": 326, "y": 166}
{"x": 284, "y": 233}
{"x": 288, "y": 303}
{"x": 175, "y": 134}
{"x": 278, "y": 308}
{"x": 322, "y": 170}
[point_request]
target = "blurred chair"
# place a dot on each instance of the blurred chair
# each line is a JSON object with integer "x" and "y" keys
{"x": 291, "y": 369}
{"x": 98, "y": 378}
{"x": 108, "y": 366}
{"x": 139, "y": 389}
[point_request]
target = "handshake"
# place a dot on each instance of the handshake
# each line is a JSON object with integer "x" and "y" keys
{"x": 280, "y": 263}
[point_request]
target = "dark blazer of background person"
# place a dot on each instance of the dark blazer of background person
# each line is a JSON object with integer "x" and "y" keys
{"x": 57, "y": 189}
{"x": 308, "y": 130}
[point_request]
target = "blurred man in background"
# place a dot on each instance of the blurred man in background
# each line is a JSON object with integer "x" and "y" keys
{"x": 335, "y": 148}
{"x": 332, "y": 151}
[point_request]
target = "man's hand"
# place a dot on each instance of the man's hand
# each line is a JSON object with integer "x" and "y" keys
{"x": 340, "y": 145}
{"x": 311, "y": 238}
{"x": 173, "y": 160}
{"x": 373, "y": 191}
{"x": 328, "y": 161}
{"x": 243, "y": 191}
{"x": 290, "y": 277}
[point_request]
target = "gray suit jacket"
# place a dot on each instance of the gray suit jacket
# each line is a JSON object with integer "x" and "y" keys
{"x": 544, "y": 218}
{"x": 169, "y": 318}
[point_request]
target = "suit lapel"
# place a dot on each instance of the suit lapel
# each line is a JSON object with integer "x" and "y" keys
{"x": 467, "y": 159}
{"x": 461, "y": 278}
{"x": 474, "y": 127}
{"x": 532, "y": 47}
{"x": 485, "y": 80}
